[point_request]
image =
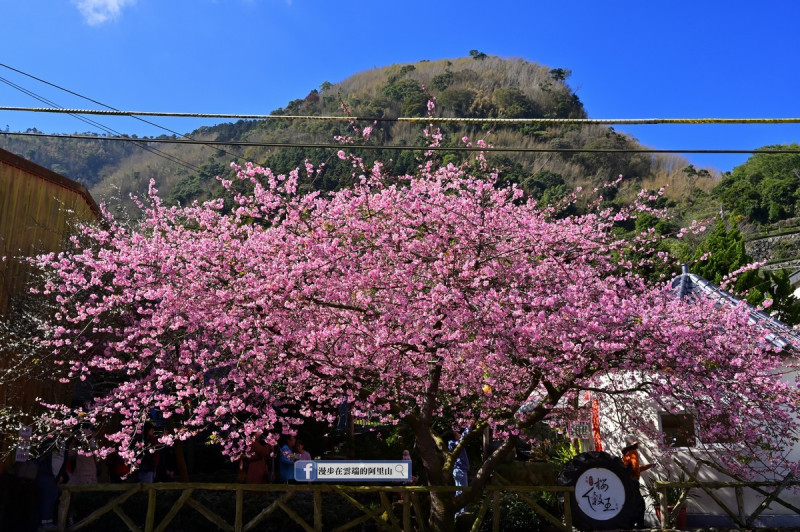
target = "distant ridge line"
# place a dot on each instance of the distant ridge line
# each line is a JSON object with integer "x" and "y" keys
{"x": 518, "y": 149}
{"x": 415, "y": 119}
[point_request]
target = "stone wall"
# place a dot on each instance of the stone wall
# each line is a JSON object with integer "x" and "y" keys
{"x": 774, "y": 247}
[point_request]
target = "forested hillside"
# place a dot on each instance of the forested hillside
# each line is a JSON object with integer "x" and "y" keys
{"x": 764, "y": 190}
{"x": 760, "y": 192}
{"x": 476, "y": 86}
{"x": 86, "y": 161}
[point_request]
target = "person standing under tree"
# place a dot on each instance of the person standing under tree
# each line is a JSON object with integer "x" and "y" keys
{"x": 84, "y": 465}
{"x": 49, "y": 474}
{"x": 150, "y": 454}
{"x": 287, "y": 459}
{"x": 630, "y": 458}
{"x": 461, "y": 467}
{"x": 300, "y": 451}
{"x": 257, "y": 461}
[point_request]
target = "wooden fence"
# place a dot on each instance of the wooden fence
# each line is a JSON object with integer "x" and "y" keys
{"x": 406, "y": 514}
{"x": 770, "y": 490}
{"x": 392, "y": 508}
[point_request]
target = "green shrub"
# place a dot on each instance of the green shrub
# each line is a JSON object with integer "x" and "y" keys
{"x": 516, "y": 515}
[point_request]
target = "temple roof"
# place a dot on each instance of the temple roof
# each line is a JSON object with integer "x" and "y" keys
{"x": 691, "y": 285}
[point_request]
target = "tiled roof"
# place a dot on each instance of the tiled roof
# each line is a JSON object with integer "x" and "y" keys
{"x": 781, "y": 335}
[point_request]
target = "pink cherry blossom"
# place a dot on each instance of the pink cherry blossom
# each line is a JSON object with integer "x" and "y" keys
{"x": 413, "y": 297}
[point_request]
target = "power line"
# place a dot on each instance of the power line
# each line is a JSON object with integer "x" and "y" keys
{"x": 96, "y": 124}
{"x": 50, "y": 102}
{"x": 409, "y": 148}
{"x": 104, "y": 105}
{"x": 418, "y": 119}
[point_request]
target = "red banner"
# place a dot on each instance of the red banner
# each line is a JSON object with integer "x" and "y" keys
{"x": 598, "y": 443}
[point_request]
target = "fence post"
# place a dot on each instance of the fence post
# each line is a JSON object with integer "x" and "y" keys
{"x": 415, "y": 502}
{"x": 662, "y": 502}
{"x": 406, "y": 511}
{"x": 63, "y": 509}
{"x": 237, "y": 524}
{"x": 318, "y": 510}
{"x": 740, "y": 502}
{"x": 150, "y": 519}
{"x": 496, "y": 512}
{"x": 568, "y": 509}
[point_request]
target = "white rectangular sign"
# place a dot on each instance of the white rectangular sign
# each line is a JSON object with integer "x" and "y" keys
{"x": 352, "y": 471}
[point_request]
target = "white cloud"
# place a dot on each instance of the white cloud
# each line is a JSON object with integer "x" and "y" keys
{"x": 98, "y": 11}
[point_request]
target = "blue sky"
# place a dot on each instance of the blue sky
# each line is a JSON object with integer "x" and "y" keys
{"x": 629, "y": 59}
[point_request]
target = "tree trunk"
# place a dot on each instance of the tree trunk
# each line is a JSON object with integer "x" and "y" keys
{"x": 180, "y": 462}
{"x": 180, "y": 457}
{"x": 442, "y": 517}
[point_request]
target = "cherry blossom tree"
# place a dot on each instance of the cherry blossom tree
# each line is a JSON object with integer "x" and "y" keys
{"x": 416, "y": 298}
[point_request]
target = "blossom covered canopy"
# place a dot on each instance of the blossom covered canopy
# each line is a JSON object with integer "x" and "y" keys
{"x": 440, "y": 294}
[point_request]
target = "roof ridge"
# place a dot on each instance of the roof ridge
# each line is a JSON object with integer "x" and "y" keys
{"x": 37, "y": 170}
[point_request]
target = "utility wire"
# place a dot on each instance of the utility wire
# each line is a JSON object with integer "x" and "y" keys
{"x": 49, "y": 102}
{"x": 96, "y": 124}
{"x": 410, "y": 148}
{"x": 420, "y": 119}
{"x": 105, "y": 105}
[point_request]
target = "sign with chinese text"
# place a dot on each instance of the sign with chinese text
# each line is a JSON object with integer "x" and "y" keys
{"x": 580, "y": 429}
{"x": 352, "y": 470}
{"x": 600, "y": 493}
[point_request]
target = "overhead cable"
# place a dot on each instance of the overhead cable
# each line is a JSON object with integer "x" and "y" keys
{"x": 114, "y": 109}
{"x": 374, "y": 147}
{"x": 96, "y": 124}
{"x": 417, "y": 119}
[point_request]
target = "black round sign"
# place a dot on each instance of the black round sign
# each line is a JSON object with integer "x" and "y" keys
{"x": 606, "y": 496}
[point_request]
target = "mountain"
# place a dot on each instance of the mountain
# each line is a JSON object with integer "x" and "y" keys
{"x": 765, "y": 189}
{"x": 87, "y": 161}
{"x": 471, "y": 87}
{"x": 762, "y": 194}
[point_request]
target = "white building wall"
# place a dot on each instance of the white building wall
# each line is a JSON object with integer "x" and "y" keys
{"x": 702, "y": 510}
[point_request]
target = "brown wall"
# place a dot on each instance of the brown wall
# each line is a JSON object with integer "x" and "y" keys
{"x": 38, "y": 209}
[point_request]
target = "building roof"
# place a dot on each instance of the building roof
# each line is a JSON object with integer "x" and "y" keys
{"x": 45, "y": 173}
{"x": 781, "y": 335}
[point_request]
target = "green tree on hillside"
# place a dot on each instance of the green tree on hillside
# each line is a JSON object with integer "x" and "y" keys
{"x": 766, "y": 188}
{"x": 483, "y": 87}
{"x": 458, "y": 101}
{"x": 560, "y": 74}
{"x": 725, "y": 253}
{"x": 410, "y": 94}
{"x": 199, "y": 185}
{"x": 513, "y": 103}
